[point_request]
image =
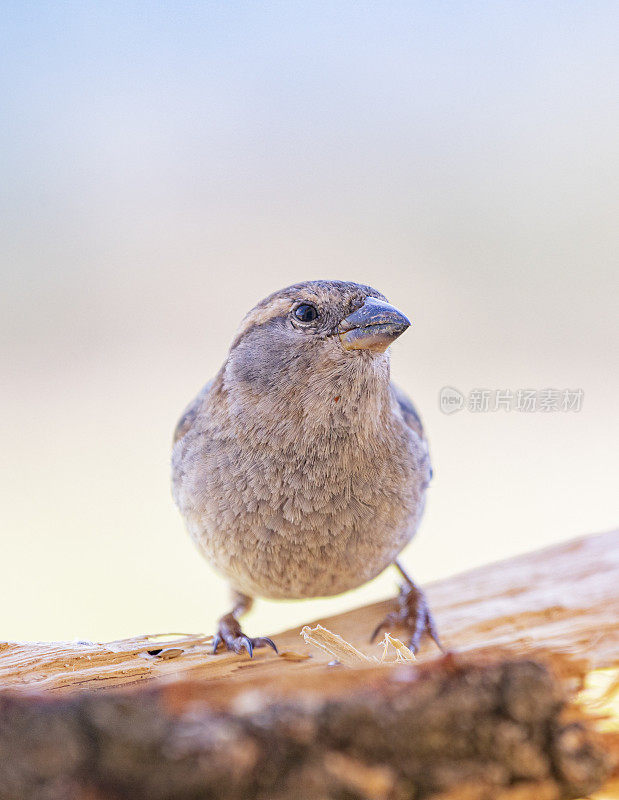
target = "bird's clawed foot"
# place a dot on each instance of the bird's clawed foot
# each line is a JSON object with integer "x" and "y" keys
{"x": 414, "y": 615}
{"x": 230, "y": 633}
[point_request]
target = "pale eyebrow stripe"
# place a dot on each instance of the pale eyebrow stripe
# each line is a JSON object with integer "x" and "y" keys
{"x": 261, "y": 314}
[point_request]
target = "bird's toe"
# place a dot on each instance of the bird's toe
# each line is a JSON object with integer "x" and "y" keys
{"x": 237, "y": 642}
{"x": 414, "y": 615}
{"x": 264, "y": 641}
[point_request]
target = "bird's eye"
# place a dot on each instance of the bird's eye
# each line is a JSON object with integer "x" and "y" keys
{"x": 306, "y": 313}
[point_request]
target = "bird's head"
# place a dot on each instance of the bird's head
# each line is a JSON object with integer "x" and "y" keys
{"x": 313, "y": 334}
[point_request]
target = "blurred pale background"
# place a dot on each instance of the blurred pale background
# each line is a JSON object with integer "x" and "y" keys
{"x": 165, "y": 165}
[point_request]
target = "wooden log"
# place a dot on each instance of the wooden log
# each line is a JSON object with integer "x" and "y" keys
{"x": 560, "y": 600}
{"x": 468, "y": 730}
{"x": 147, "y": 718}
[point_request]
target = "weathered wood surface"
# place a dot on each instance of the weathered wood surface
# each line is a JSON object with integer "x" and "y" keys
{"x": 563, "y": 599}
{"x": 446, "y": 731}
{"x": 169, "y": 721}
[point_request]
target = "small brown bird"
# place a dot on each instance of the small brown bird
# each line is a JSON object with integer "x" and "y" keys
{"x": 300, "y": 469}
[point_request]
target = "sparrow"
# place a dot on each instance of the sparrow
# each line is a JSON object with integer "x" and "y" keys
{"x": 300, "y": 469}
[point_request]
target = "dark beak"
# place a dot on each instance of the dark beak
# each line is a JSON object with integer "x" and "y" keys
{"x": 373, "y": 327}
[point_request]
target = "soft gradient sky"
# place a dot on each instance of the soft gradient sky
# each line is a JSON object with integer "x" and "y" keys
{"x": 166, "y": 165}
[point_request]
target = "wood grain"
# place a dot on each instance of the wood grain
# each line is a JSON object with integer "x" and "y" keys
{"x": 161, "y": 718}
{"x": 562, "y": 600}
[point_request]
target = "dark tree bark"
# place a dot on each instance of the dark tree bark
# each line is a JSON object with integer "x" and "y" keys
{"x": 449, "y": 730}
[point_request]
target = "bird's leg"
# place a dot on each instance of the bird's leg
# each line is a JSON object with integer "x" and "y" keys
{"x": 229, "y": 630}
{"x": 413, "y": 614}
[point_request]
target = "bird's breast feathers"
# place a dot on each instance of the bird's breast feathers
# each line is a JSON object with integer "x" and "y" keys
{"x": 306, "y": 510}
